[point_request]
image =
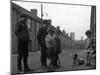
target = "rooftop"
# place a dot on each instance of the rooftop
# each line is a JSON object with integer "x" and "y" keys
{"x": 24, "y": 11}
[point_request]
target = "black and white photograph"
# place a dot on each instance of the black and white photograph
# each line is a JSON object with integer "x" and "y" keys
{"x": 52, "y": 37}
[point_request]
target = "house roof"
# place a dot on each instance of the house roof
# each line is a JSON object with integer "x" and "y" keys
{"x": 24, "y": 11}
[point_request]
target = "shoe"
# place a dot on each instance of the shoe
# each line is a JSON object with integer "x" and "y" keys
{"x": 51, "y": 69}
{"x": 44, "y": 67}
{"x": 20, "y": 71}
{"x": 58, "y": 66}
{"x": 88, "y": 64}
{"x": 28, "y": 70}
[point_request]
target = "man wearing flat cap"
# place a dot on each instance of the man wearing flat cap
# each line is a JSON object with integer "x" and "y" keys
{"x": 22, "y": 34}
{"x": 41, "y": 39}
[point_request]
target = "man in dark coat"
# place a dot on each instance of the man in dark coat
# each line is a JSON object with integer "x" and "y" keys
{"x": 57, "y": 48}
{"x": 41, "y": 39}
{"x": 23, "y": 39}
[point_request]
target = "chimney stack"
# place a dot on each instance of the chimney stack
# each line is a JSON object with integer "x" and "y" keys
{"x": 34, "y": 12}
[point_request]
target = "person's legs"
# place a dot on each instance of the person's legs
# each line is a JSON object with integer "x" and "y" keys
{"x": 52, "y": 63}
{"x": 52, "y": 57}
{"x": 94, "y": 61}
{"x": 55, "y": 60}
{"x": 43, "y": 56}
{"x": 20, "y": 55}
{"x": 58, "y": 61}
{"x": 25, "y": 56}
{"x": 19, "y": 64}
{"x": 88, "y": 60}
{"x": 25, "y": 61}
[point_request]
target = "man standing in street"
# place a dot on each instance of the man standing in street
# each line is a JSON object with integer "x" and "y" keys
{"x": 23, "y": 39}
{"x": 41, "y": 39}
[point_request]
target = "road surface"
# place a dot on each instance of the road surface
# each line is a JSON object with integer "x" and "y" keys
{"x": 65, "y": 58}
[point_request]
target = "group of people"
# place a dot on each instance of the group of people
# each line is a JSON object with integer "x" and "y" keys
{"x": 48, "y": 39}
{"x": 50, "y": 43}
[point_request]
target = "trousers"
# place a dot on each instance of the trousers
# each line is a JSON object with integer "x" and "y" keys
{"x": 22, "y": 54}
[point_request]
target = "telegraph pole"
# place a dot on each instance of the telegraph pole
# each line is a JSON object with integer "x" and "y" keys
{"x": 41, "y": 13}
{"x": 40, "y": 25}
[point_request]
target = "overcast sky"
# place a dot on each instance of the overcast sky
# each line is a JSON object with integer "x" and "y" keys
{"x": 71, "y": 18}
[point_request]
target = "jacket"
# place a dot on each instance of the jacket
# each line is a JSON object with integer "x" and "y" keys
{"x": 21, "y": 31}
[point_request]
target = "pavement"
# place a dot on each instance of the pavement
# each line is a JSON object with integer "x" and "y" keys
{"x": 65, "y": 58}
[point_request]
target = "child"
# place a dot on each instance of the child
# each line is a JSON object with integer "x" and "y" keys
{"x": 77, "y": 60}
{"x": 50, "y": 44}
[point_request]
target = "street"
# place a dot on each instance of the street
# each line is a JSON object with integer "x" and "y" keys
{"x": 65, "y": 58}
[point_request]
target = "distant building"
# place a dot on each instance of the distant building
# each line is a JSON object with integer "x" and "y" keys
{"x": 80, "y": 44}
{"x": 16, "y": 11}
{"x": 72, "y": 35}
{"x": 81, "y": 38}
